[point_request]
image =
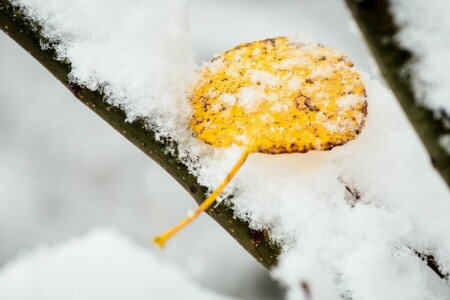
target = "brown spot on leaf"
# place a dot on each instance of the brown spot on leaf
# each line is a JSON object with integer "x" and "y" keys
{"x": 309, "y": 104}
{"x": 300, "y": 101}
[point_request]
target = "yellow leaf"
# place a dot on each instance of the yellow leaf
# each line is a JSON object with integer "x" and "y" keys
{"x": 275, "y": 96}
{"x": 279, "y": 96}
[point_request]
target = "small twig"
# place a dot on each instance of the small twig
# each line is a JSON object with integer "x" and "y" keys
{"x": 432, "y": 264}
{"x": 356, "y": 195}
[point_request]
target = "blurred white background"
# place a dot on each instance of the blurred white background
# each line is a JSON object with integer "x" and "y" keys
{"x": 63, "y": 170}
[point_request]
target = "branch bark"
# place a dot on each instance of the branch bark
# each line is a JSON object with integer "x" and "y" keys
{"x": 376, "y": 22}
{"x": 27, "y": 34}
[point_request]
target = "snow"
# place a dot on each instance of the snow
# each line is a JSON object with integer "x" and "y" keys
{"x": 54, "y": 186}
{"x": 444, "y": 142}
{"x": 321, "y": 72}
{"x": 308, "y": 210}
{"x": 227, "y": 98}
{"x": 216, "y": 65}
{"x": 304, "y": 280}
{"x": 250, "y": 97}
{"x": 333, "y": 243}
{"x": 347, "y": 102}
{"x": 425, "y": 32}
{"x": 136, "y": 52}
{"x": 103, "y": 264}
{"x": 294, "y": 83}
{"x": 265, "y": 78}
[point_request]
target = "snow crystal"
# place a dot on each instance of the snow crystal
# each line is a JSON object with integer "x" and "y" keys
{"x": 250, "y": 97}
{"x": 215, "y": 65}
{"x": 425, "y": 32}
{"x": 321, "y": 72}
{"x": 289, "y": 62}
{"x": 103, "y": 265}
{"x": 294, "y": 83}
{"x": 347, "y": 102}
{"x": 444, "y": 142}
{"x": 227, "y": 98}
{"x": 278, "y": 107}
{"x": 137, "y": 52}
{"x": 263, "y": 77}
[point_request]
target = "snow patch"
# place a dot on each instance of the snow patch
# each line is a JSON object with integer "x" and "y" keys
{"x": 294, "y": 83}
{"x": 251, "y": 97}
{"x": 308, "y": 209}
{"x": 425, "y": 32}
{"x": 279, "y": 107}
{"x": 290, "y": 62}
{"x": 103, "y": 265}
{"x": 215, "y": 65}
{"x": 229, "y": 99}
{"x": 321, "y": 72}
{"x": 263, "y": 77}
{"x": 137, "y": 52}
{"x": 347, "y": 102}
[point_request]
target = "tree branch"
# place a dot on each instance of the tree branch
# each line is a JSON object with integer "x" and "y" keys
{"x": 27, "y": 34}
{"x": 377, "y": 25}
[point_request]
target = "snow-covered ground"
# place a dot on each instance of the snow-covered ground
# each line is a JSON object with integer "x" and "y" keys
{"x": 104, "y": 264}
{"x": 64, "y": 171}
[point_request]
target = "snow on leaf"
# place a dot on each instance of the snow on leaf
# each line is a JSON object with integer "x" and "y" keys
{"x": 252, "y": 85}
{"x": 257, "y": 76}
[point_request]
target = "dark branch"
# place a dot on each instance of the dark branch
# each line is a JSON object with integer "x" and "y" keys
{"x": 377, "y": 25}
{"x": 25, "y": 33}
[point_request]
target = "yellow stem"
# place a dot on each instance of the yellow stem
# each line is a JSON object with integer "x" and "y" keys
{"x": 162, "y": 239}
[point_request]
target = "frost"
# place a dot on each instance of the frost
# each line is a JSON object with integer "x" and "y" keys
{"x": 94, "y": 267}
{"x": 425, "y": 31}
